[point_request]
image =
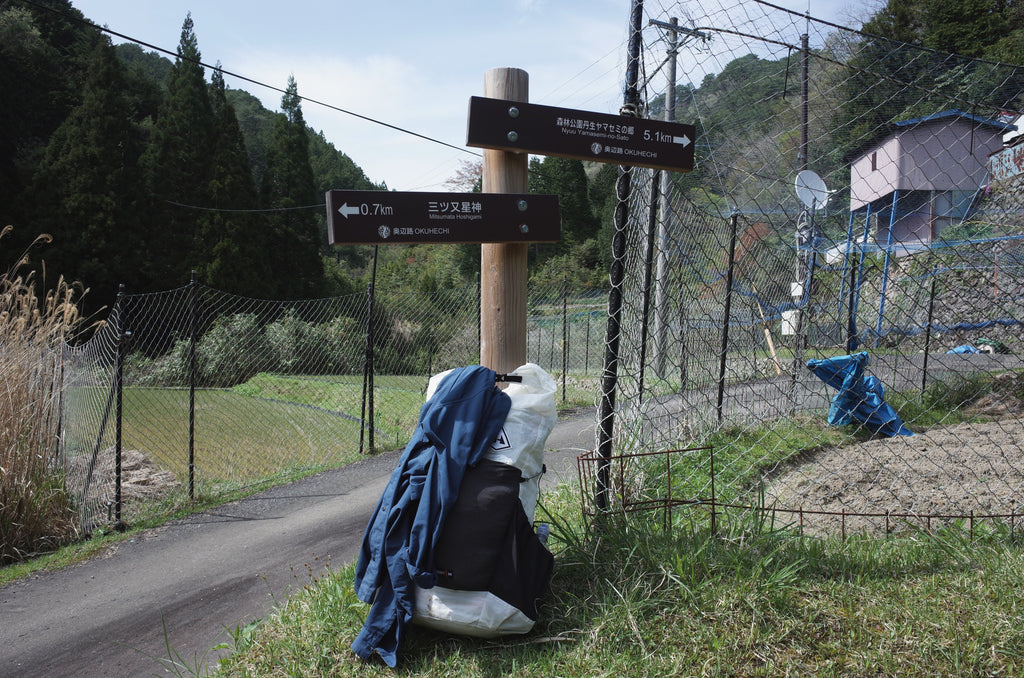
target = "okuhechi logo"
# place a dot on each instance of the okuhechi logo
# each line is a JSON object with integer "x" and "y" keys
{"x": 384, "y": 232}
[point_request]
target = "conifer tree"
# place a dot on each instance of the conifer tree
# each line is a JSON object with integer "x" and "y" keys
{"x": 40, "y": 82}
{"x": 567, "y": 179}
{"x": 290, "y": 189}
{"x": 177, "y": 166}
{"x": 89, "y": 180}
{"x": 233, "y": 254}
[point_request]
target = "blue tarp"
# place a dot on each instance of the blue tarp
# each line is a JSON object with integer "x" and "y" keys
{"x": 861, "y": 397}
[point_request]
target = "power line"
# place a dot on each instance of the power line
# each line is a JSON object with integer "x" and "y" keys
{"x": 223, "y": 71}
{"x": 225, "y": 209}
{"x": 248, "y": 79}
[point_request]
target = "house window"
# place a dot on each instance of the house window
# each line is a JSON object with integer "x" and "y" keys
{"x": 874, "y": 161}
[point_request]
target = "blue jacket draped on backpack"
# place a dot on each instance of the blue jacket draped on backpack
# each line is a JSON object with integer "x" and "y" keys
{"x": 456, "y": 427}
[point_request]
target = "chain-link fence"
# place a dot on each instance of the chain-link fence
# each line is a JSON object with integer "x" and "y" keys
{"x": 195, "y": 392}
{"x": 851, "y": 194}
{"x": 902, "y": 241}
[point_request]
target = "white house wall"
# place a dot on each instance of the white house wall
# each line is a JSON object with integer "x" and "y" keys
{"x": 867, "y": 185}
{"x": 937, "y": 156}
{"x": 943, "y": 157}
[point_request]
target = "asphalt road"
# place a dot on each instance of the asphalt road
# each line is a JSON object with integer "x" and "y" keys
{"x": 171, "y": 594}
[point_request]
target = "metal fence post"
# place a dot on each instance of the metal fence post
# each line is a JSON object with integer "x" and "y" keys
{"x": 723, "y": 356}
{"x": 586, "y": 349}
{"x": 609, "y": 377}
{"x": 885, "y": 270}
{"x": 122, "y": 340}
{"x": 645, "y": 304}
{"x": 565, "y": 332}
{"x": 928, "y": 334}
{"x": 193, "y": 325}
{"x": 479, "y": 310}
{"x": 856, "y": 280}
{"x": 112, "y": 395}
{"x": 368, "y": 366}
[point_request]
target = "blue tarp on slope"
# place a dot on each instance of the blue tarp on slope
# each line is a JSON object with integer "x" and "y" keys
{"x": 861, "y": 397}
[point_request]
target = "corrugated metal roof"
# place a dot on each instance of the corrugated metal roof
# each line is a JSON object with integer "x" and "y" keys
{"x": 890, "y": 129}
{"x": 955, "y": 113}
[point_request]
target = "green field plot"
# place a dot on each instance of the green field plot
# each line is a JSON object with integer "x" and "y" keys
{"x": 269, "y": 425}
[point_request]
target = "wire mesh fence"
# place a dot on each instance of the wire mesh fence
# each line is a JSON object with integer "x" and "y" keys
{"x": 903, "y": 241}
{"x": 194, "y": 392}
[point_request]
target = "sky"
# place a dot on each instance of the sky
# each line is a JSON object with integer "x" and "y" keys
{"x": 412, "y": 64}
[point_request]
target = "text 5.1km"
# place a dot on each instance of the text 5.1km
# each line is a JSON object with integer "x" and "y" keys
{"x": 666, "y": 138}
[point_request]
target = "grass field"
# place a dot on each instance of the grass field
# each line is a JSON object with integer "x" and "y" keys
{"x": 270, "y": 428}
{"x": 752, "y": 598}
{"x": 269, "y": 424}
{"x": 628, "y": 599}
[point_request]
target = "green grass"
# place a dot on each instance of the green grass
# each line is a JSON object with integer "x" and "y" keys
{"x": 397, "y": 399}
{"x": 633, "y": 595}
{"x": 268, "y": 424}
{"x": 236, "y": 437}
{"x": 629, "y": 600}
{"x": 60, "y": 558}
{"x": 270, "y": 430}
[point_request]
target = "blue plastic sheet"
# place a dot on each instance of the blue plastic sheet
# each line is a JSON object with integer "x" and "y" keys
{"x": 965, "y": 348}
{"x": 860, "y": 398}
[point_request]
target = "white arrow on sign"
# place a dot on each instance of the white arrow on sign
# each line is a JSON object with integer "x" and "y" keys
{"x": 345, "y": 210}
{"x": 684, "y": 140}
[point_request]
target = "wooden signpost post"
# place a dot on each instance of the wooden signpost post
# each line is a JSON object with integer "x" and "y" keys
{"x": 503, "y": 265}
{"x": 504, "y": 218}
{"x": 509, "y": 128}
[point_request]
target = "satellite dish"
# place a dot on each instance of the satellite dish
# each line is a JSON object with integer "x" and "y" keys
{"x": 810, "y": 190}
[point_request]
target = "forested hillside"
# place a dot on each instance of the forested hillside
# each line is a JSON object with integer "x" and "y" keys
{"x": 911, "y": 58}
{"x": 144, "y": 168}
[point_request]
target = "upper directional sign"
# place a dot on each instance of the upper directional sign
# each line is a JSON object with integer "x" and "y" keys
{"x": 385, "y": 217}
{"x": 545, "y": 130}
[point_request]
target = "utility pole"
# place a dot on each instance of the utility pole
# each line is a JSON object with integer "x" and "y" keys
{"x": 664, "y": 213}
{"x": 672, "y": 30}
{"x": 801, "y": 291}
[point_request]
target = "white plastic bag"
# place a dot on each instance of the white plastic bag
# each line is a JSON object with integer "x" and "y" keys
{"x": 527, "y": 427}
{"x": 526, "y": 430}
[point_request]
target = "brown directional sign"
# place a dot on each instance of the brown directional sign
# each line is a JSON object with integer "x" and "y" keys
{"x": 386, "y": 217}
{"x": 583, "y": 135}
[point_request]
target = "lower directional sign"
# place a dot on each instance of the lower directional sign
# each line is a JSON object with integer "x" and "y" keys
{"x": 386, "y": 217}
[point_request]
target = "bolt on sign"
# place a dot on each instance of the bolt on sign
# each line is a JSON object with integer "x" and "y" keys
{"x": 386, "y": 217}
{"x": 582, "y": 135}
